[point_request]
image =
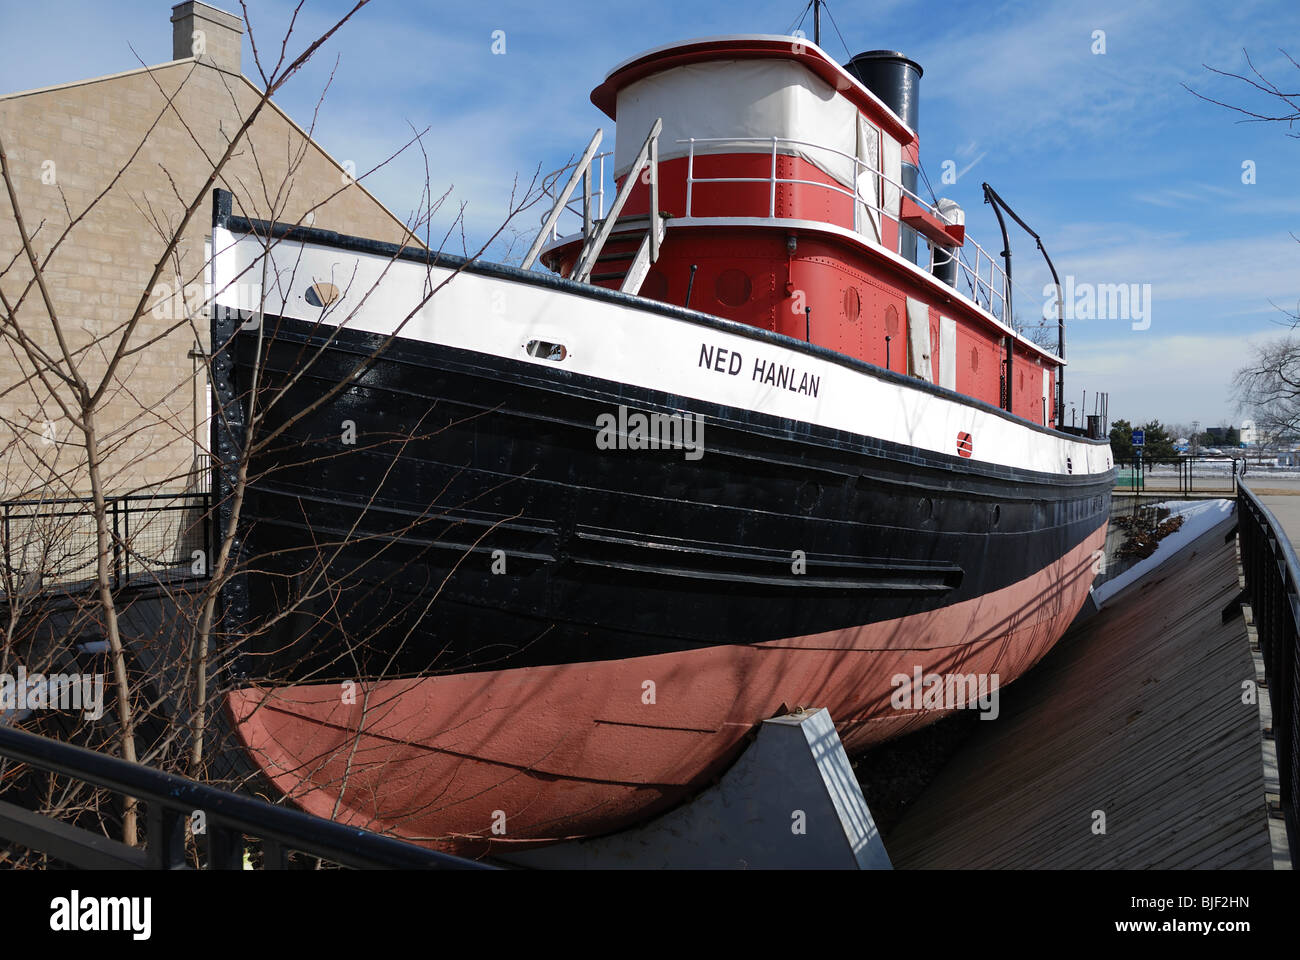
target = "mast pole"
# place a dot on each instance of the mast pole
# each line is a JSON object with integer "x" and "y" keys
{"x": 817, "y": 22}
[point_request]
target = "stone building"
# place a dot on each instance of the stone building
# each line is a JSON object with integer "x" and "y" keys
{"x": 147, "y": 140}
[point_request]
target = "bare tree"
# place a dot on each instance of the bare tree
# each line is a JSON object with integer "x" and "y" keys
{"x": 1269, "y": 386}
{"x": 165, "y": 679}
{"x": 80, "y": 391}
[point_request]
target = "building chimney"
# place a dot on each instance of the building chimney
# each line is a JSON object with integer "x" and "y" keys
{"x": 207, "y": 34}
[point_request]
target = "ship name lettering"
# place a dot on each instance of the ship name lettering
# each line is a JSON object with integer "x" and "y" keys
{"x": 787, "y": 378}
{"x": 720, "y": 359}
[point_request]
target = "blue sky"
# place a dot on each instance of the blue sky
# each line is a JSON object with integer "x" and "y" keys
{"x": 1126, "y": 175}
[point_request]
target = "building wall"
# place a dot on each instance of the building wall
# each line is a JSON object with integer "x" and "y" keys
{"x": 65, "y": 146}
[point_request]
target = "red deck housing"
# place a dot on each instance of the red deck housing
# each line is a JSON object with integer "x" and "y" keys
{"x": 779, "y": 245}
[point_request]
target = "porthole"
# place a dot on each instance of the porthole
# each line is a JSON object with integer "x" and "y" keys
{"x": 852, "y": 304}
{"x": 807, "y": 496}
{"x": 545, "y": 350}
{"x": 733, "y": 287}
{"x": 321, "y": 294}
{"x": 891, "y": 320}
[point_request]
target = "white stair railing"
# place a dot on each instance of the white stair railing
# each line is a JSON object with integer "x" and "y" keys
{"x": 648, "y": 154}
{"x": 581, "y": 171}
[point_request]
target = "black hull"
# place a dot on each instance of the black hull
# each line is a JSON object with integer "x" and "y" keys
{"x": 463, "y": 462}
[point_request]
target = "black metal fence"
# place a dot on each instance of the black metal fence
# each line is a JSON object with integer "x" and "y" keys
{"x": 51, "y": 545}
{"x": 1184, "y": 474}
{"x": 1273, "y": 582}
{"x": 170, "y": 803}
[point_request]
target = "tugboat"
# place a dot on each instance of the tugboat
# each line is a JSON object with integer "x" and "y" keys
{"x": 530, "y": 555}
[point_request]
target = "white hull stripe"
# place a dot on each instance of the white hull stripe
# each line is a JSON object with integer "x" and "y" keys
{"x": 619, "y": 342}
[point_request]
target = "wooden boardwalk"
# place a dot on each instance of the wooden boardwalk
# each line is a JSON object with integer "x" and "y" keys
{"x": 1138, "y": 716}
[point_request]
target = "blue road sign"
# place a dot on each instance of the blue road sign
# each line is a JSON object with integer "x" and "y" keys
{"x": 1139, "y": 438}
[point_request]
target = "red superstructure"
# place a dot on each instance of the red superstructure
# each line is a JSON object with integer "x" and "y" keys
{"x": 781, "y": 179}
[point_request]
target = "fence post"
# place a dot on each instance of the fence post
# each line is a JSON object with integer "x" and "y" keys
{"x": 117, "y": 547}
{"x": 126, "y": 542}
{"x": 209, "y": 544}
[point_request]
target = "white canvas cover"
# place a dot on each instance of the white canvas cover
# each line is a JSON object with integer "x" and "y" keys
{"x": 947, "y": 352}
{"x": 893, "y": 171}
{"x": 918, "y": 340}
{"x": 951, "y": 211}
{"x": 740, "y": 98}
{"x": 868, "y": 214}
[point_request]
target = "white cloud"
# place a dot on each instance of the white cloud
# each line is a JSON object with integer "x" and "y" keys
{"x": 1026, "y": 75}
{"x": 1174, "y": 379}
{"x": 1199, "y": 283}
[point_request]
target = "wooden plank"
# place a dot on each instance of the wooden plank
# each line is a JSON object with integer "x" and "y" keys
{"x": 1137, "y": 713}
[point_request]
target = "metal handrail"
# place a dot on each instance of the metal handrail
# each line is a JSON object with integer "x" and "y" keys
{"x": 597, "y": 194}
{"x": 171, "y": 801}
{"x": 861, "y": 165}
{"x": 990, "y": 293}
{"x": 581, "y": 171}
{"x": 594, "y": 244}
{"x": 1273, "y": 584}
{"x": 993, "y": 289}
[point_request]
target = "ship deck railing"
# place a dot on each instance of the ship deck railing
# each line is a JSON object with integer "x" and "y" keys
{"x": 985, "y": 279}
{"x": 990, "y": 293}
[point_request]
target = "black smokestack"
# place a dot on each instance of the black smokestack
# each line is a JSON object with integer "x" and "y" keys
{"x": 893, "y": 78}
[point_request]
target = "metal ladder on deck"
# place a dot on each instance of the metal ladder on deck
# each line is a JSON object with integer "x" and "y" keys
{"x": 597, "y": 233}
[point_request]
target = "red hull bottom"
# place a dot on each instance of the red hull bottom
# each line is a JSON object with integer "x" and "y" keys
{"x": 550, "y": 753}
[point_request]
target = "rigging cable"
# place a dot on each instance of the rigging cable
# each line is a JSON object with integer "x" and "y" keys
{"x": 795, "y": 25}
{"x": 827, "y": 7}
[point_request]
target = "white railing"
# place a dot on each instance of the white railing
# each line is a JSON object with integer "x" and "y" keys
{"x": 994, "y": 288}
{"x": 576, "y": 206}
{"x": 990, "y": 292}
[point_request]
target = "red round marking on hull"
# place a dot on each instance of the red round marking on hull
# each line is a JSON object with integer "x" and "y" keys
{"x": 557, "y": 752}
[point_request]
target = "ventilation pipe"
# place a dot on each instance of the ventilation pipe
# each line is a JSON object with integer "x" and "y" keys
{"x": 945, "y": 258}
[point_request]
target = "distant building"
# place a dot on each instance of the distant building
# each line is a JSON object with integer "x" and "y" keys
{"x": 1248, "y": 437}
{"x": 1223, "y": 436}
{"x": 68, "y": 142}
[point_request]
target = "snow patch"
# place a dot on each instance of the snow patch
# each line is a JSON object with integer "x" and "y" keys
{"x": 1198, "y": 517}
